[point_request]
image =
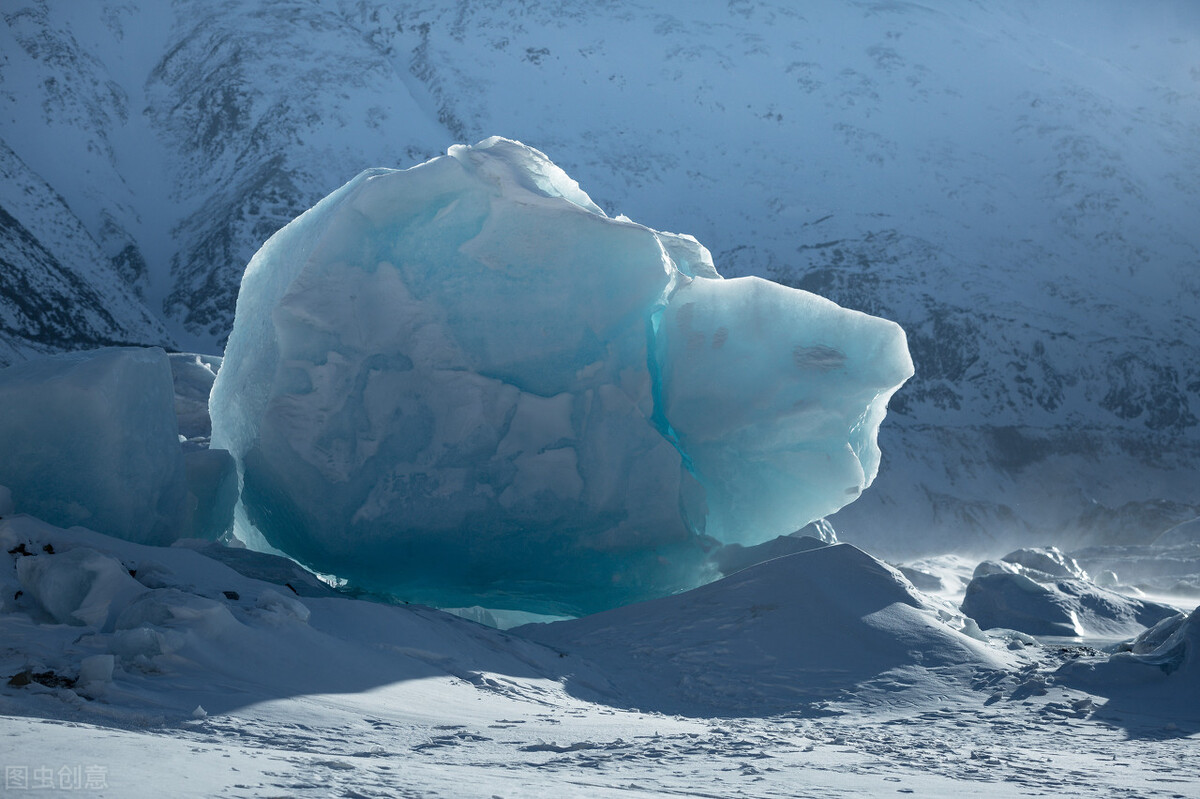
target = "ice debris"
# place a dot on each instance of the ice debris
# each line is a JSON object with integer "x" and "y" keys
{"x": 464, "y": 382}
{"x": 1172, "y": 645}
{"x": 1043, "y": 592}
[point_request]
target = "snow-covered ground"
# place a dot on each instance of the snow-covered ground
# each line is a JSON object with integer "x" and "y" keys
{"x": 158, "y": 671}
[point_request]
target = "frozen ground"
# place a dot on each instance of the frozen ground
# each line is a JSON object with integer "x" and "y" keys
{"x": 314, "y": 694}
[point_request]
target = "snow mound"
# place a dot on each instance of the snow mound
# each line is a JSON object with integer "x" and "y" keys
{"x": 91, "y": 438}
{"x": 1046, "y": 560}
{"x": 1157, "y": 673}
{"x": 735, "y": 557}
{"x": 464, "y": 382}
{"x": 154, "y": 631}
{"x": 1007, "y": 594}
{"x": 79, "y": 587}
{"x": 776, "y": 636}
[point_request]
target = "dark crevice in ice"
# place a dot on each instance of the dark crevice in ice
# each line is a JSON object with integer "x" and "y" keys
{"x": 659, "y": 417}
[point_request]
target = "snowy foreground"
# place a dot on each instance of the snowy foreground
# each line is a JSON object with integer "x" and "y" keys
{"x": 199, "y": 670}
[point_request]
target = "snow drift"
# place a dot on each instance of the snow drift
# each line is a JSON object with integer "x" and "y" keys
{"x": 1155, "y": 674}
{"x": 799, "y": 629}
{"x": 151, "y": 632}
{"x": 143, "y": 634}
{"x": 1043, "y": 592}
{"x": 464, "y": 380}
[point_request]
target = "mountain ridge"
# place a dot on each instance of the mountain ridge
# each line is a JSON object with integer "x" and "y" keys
{"x": 1010, "y": 185}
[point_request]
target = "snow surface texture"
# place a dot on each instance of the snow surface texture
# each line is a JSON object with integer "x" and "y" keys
{"x": 464, "y": 380}
{"x": 198, "y": 670}
{"x": 797, "y": 630}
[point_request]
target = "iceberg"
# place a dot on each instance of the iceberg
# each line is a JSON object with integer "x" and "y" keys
{"x": 90, "y": 438}
{"x": 465, "y": 384}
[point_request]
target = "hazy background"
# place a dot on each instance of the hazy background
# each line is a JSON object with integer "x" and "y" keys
{"x": 1014, "y": 182}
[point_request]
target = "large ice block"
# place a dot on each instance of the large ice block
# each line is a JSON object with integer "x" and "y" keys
{"x": 463, "y": 383}
{"x": 90, "y": 438}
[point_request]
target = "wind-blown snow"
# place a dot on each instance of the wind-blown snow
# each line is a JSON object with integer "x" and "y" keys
{"x": 464, "y": 379}
{"x": 1043, "y": 592}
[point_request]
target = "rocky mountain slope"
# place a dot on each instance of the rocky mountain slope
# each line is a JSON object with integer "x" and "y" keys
{"x": 1015, "y": 183}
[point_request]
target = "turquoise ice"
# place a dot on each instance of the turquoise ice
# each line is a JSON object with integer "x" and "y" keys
{"x": 463, "y": 383}
{"x": 90, "y": 438}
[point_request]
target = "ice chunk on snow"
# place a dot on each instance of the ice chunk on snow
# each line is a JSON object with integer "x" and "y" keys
{"x": 1173, "y": 645}
{"x": 1158, "y": 673}
{"x": 464, "y": 382}
{"x": 282, "y": 607}
{"x": 1009, "y": 595}
{"x": 95, "y": 674}
{"x": 90, "y": 438}
{"x": 81, "y": 586}
{"x": 1047, "y": 560}
{"x": 96, "y": 668}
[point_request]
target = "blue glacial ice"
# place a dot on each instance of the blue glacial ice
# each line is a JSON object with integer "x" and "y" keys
{"x": 463, "y": 383}
{"x": 91, "y": 439}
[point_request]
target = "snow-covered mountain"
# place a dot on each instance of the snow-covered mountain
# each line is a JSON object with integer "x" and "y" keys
{"x": 1016, "y": 183}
